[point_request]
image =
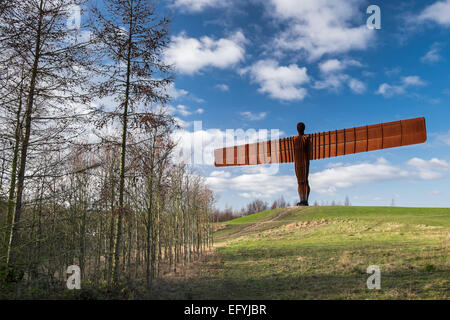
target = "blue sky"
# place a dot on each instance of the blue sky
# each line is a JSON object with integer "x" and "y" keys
{"x": 270, "y": 64}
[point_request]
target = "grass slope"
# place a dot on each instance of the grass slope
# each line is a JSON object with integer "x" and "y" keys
{"x": 323, "y": 253}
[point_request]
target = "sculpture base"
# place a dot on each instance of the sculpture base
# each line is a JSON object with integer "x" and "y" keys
{"x": 302, "y": 204}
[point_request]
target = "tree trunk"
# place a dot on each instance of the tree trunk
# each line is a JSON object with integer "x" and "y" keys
{"x": 23, "y": 156}
{"x": 12, "y": 186}
{"x": 115, "y": 275}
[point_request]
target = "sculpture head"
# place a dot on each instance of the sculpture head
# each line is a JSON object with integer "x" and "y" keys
{"x": 301, "y": 128}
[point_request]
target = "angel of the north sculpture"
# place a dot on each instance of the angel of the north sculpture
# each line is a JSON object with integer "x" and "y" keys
{"x": 305, "y": 147}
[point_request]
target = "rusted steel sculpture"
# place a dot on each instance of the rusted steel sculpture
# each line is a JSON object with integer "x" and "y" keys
{"x": 305, "y": 147}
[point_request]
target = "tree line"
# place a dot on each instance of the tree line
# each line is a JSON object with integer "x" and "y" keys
{"x": 257, "y": 205}
{"x": 87, "y": 170}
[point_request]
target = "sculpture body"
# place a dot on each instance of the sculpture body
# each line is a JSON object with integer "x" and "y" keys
{"x": 302, "y": 145}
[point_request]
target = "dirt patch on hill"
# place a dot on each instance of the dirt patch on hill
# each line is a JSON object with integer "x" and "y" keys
{"x": 218, "y": 227}
{"x": 294, "y": 226}
{"x": 304, "y": 224}
{"x": 258, "y": 228}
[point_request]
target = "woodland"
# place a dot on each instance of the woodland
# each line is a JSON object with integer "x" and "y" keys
{"x": 87, "y": 170}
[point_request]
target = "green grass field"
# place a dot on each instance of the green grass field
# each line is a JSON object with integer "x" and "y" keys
{"x": 323, "y": 253}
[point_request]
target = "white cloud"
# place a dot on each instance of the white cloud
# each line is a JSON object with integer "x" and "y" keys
{"x": 183, "y": 110}
{"x": 344, "y": 176}
{"x": 331, "y": 82}
{"x": 357, "y": 86}
{"x": 444, "y": 138}
{"x": 333, "y": 65}
{"x": 190, "y": 55}
{"x": 180, "y": 94}
{"x": 388, "y": 90}
{"x": 413, "y": 81}
{"x": 220, "y": 174}
{"x": 255, "y": 179}
{"x": 434, "y": 163}
{"x": 253, "y": 116}
{"x": 329, "y": 180}
{"x": 429, "y": 169}
{"x": 253, "y": 185}
{"x": 438, "y": 12}
{"x": 200, "y": 5}
{"x": 333, "y": 79}
{"x": 319, "y": 27}
{"x": 180, "y": 109}
{"x": 280, "y": 82}
{"x": 222, "y": 87}
{"x": 182, "y": 123}
{"x": 335, "y": 82}
{"x": 175, "y": 93}
{"x": 432, "y": 56}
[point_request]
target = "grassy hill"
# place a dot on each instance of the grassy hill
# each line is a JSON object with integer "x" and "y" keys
{"x": 323, "y": 253}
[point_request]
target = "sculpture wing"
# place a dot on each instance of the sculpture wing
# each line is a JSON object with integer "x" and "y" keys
{"x": 327, "y": 144}
{"x": 368, "y": 138}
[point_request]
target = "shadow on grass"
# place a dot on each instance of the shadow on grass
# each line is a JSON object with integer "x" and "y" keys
{"x": 394, "y": 285}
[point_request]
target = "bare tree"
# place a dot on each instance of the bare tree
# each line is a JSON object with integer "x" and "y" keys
{"x": 67, "y": 198}
{"x": 347, "y": 201}
{"x": 256, "y": 205}
{"x": 55, "y": 65}
{"x": 133, "y": 37}
{"x": 279, "y": 203}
